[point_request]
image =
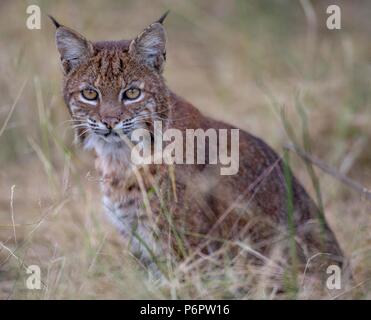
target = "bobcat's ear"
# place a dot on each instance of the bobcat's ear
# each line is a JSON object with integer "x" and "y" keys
{"x": 150, "y": 45}
{"x": 72, "y": 46}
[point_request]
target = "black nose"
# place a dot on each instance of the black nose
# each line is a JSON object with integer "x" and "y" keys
{"x": 110, "y": 122}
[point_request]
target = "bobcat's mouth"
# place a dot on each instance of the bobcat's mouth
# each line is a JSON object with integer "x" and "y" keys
{"x": 111, "y": 135}
{"x": 115, "y": 134}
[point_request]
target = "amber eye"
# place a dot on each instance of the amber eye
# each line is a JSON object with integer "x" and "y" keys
{"x": 89, "y": 94}
{"x": 131, "y": 94}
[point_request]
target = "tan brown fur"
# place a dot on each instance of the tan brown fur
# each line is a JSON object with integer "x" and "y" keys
{"x": 193, "y": 202}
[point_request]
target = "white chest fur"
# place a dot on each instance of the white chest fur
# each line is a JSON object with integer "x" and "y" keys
{"x": 123, "y": 208}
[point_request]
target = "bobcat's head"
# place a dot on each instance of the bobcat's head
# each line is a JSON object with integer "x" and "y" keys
{"x": 113, "y": 87}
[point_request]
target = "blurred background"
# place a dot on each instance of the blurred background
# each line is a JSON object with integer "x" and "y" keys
{"x": 245, "y": 62}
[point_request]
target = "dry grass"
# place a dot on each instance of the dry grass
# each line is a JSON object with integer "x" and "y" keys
{"x": 239, "y": 61}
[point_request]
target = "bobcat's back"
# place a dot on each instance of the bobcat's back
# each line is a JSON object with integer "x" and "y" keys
{"x": 259, "y": 191}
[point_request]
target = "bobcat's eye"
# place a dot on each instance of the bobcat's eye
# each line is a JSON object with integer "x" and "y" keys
{"x": 89, "y": 94}
{"x": 131, "y": 94}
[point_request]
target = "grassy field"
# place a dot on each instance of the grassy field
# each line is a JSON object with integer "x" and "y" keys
{"x": 241, "y": 61}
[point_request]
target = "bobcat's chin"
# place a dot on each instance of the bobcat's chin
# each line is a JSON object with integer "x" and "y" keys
{"x": 98, "y": 141}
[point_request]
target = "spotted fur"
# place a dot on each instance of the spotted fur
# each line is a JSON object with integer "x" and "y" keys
{"x": 193, "y": 203}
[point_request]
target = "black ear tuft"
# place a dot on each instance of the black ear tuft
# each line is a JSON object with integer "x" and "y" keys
{"x": 163, "y": 17}
{"x": 56, "y": 23}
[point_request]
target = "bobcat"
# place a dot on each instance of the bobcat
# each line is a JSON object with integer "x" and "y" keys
{"x": 112, "y": 88}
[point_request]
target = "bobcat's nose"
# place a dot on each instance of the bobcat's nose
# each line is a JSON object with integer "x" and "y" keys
{"x": 110, "y": 122}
